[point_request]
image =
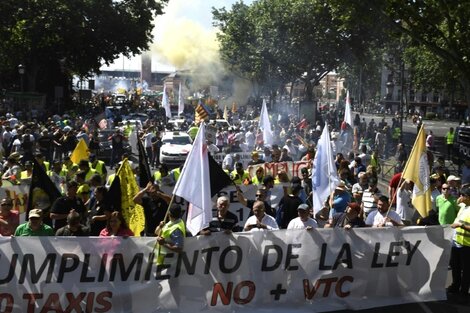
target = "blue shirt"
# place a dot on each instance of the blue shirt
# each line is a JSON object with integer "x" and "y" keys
{"x": 340, "y": 202}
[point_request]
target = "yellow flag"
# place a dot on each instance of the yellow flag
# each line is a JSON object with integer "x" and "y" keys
{"x": 133, "y": 213}
{"x": 80, "y": 152}
{"x": 417, "y": 170}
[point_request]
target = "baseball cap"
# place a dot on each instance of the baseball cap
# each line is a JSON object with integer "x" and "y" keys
{"x": 35, "y": 213}
{"x": 303, "y": 207}
{"x": 452, "y": 177}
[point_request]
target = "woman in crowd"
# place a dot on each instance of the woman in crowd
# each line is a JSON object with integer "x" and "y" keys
{"x": 116, "y": 226}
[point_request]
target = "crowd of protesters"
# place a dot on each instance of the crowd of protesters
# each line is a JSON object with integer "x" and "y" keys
{"x": 357, "y": 201}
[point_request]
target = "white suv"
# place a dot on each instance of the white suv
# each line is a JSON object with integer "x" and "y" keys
{"x": 175, "y": 148}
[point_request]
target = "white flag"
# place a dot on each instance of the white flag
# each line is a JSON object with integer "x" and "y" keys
{"x": 347, "y": 110}
{"x": 194, "y": 184}
{"x": 166, "y": 103}
{"x": 180, "y": 100}
{"x": 265, "y": 125}
{"x": 324, "y": 175}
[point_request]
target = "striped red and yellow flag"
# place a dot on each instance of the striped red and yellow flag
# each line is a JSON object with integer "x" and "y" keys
{"x": 201, "y": 114}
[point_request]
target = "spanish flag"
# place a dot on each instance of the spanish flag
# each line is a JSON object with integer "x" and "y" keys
{"x": 80, "y": 152}
{"x": 201, "y": 113}
{"x": 417, "y": 170}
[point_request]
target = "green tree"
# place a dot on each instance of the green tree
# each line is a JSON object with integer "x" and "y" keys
{"x": 278, "y": 41}
{"x": 57, "y": 38}
{"x": 435, "y": 28}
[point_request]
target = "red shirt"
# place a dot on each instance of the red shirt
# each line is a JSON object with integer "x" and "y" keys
{"x": 13, "y": 220}
{"x": 124, "y": 232}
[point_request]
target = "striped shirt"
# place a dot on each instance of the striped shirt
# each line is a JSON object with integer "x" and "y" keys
{"x": 369, "y": 200}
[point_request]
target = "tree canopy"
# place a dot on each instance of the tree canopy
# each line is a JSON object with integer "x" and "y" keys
{"x": 75, "y": 37}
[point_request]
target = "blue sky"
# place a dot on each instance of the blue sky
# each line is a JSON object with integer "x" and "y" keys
{"x": 186, "y": 25}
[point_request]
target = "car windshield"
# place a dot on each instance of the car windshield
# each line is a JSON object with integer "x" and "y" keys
{"x": 178, "y": 140}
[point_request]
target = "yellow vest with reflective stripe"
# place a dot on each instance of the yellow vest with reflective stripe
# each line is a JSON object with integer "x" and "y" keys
{"x": 257, "y": 181}
{"x": 167, "y": 230}
{"x": 24, "y": 175}
{"x": 90, "y": 173}
{"x": 176, "y": 173}
{"x": 450, "y": 138}
{"x": 462, "y": 236}
{"x": 239, "y": 180}
{"x": 98, "y": 168}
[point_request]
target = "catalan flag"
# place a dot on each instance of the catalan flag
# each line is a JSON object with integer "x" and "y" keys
{"x": 201, "y": 113}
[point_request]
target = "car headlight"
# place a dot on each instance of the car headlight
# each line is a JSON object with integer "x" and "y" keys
{"x": 165, "y": 153}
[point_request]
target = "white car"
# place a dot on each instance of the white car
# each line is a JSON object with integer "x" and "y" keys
{"x": 175, "y": 148}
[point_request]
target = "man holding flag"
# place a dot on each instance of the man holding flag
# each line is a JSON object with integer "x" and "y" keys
{"x": 417, "y": 171}
{"x": 201, "y": 178}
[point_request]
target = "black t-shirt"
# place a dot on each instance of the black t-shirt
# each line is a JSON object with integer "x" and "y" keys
{"x": 64, "y": 205}
{"x": 230, "y": 222}
{"x": 45, "y": 142}
{"x": 82, "y": 231}
{"x": 154, "y": 211}
{"x": 289, "y": 205}
{"x": 99, "y": 208}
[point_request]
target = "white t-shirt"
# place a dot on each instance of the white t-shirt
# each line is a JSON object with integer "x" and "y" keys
{"x": 375, "y": 218}
{"x": 267, "y": 220}
{"x": 148, "y": 140}
{"x": 297, "y": 223}
{"x": 404, "y": 207}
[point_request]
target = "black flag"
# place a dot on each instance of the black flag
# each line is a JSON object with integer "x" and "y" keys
{"x": 218, "y": 177}
{"x": 145, "y": 176}
{"x": 42, "y": 192}
{"x": 113, "y": 197}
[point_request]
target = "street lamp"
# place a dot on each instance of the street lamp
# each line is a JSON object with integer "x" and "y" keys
{"x": 21, "y": 71}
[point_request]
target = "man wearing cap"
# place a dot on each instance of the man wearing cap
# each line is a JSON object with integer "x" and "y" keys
{"x": 339, "y": 199}
{"x": 383, "y": 217}
{"x": 98, "y": 166}
{"x": 303, "y": 221}
{"x": 347, "y": 219}
{"x": 34, "y": 226}
{"x": 446, "y": 205}
{"x": 454, "y": 185}
{"x": 9, "y": 219}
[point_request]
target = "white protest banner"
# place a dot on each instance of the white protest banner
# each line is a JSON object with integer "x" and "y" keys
{"x": 291, "y": 168}
{"x": 275, "y": 271}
